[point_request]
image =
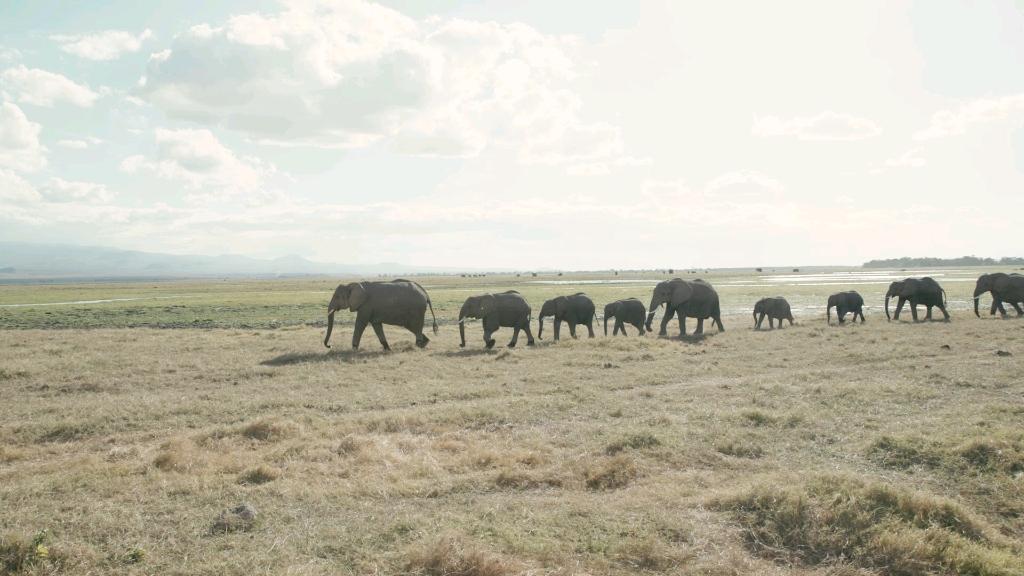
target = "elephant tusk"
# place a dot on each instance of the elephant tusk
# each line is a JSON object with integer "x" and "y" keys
{"x": 331, "y": 313}
{"x": 462, "y": 321}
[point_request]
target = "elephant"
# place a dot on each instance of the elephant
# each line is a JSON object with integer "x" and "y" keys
{"x": 575, "y": 309}
{"x": 924, "y": 291}
{"x": 628, "y": 311}
{"x": 508, "y": 309}
{"x": 696, "y": 299}
{"x": 1007, "y": 288}
{"x": 398, "y": 303}
{"x": 845, "y": 302}
{"x": 776, "y": 308}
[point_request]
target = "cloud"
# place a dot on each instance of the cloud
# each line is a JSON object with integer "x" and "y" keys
{"x": 42, "y": 88}
{"x": 201, "y": 161}
{"x": 949, "y": 123}
{"x": 19, "y": 140}
{"x": 631, "y": 161}
{"x": 79, "y": 143}
{"x": 57, "y": 190}
{"x": 743, "y": 182}
{"x": 595, "y": 169}
{"x": 349, "y": 74}
{"x": 14, "y": 188}
{"x": 827, "y": 126}
{"x": 9, "y": 54}
{"x": 107, "y": 45}
{"x": 908, "y": 159}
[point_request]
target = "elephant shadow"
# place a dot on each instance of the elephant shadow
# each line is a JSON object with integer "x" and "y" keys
{"x": 689, "y": 338}
{"x": 293, "y": 358}
{"x": 463, "y": 353}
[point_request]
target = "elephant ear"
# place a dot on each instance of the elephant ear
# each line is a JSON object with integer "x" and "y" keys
{"x": 1001, "y": 284}
{"x": 356, "y": 296}
{"x": 561, "y": 305}
{"x": 681, "y": 292}
{"x": 908, "y": 289}
{"x": 488, "y": 305}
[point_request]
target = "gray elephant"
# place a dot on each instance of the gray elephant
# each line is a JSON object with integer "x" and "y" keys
{"x": 776, "y": 308}
{"x": 925, "y": 291}
{"x": 574, "y": 309}
{"x": 398, "y": 303}
{"x": 845, "y": 302}
{"x": 508, "y": 309}
{"x": 696, "y": 299}
{"x": 628, "y": 311}
{"x": 1007, "y": 288}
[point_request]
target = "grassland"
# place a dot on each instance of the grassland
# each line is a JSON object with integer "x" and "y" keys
{"x": 883, "y": 448}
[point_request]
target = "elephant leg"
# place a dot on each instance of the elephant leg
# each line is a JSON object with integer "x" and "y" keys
{"x": 913, "y": 310}
{"x": 529, "y": 334}
{"x": 379, "y": 329}
{"x": 590, "y": 328}
{"x": 718, "y": 320}
{"x": 515, "y": 337}
{"x": 840, "y": 313}
{"x": 945, "y": 315}
{"x": 572, "y": 328}
{"x": 682, "y": 324}
{"x": 899, "y": 308}
{"x": 639, "y": 326}
{"x": 558, "y": 328}
{"x": 771, "y": 323}
{"x": 700, "y": 326}
{"x": 357, "y": 332}
{"x": 665, "y": 320}
{"x": 757, "y": 324}
{"x": 490, "y": 327}
{"x": 619, "y": 326}
{"x": 1017, "y": 308}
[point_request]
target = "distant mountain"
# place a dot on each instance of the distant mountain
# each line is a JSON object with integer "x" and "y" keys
{"x": 27, "y": 261}
{"x": 906, "y": 262}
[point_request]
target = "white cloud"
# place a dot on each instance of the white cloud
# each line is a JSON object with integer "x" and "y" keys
{"x": 58, "y": 190}
{"x": 107, "y": 45}
{"x": 19, "y": 140}
{"x": 594, "y": 169}
{"x": 201, "y": 161}
{"x": 908, "y": 159}
{"x": 348, "y": 74}
{"x": 827, "y": 126}
{"x": 733, "y": 183}
{"x": 949, "y": 123}
{"x": 14, "y": 188}
{"x": 9, "y": 54}
{"x": 73, "y": 143}
{"x": 42, "y": 88}
{"x": 631, "y": 161}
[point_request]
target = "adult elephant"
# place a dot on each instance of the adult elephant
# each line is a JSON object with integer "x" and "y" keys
{"x": 696, "y": 299}
{"x": 574, "y": 309}
{"x": 398, "y": 303}
{"x": 628, "y": 311}
{"x": 845, "y": 302}
{"x": 507, "y": 309}
{"x": 924, "y": 291}
{"x": 1007, "y": 288}
{"x": 776, "y": 308}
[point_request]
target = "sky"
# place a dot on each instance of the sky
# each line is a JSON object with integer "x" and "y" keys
{"x": 516, "y": 134}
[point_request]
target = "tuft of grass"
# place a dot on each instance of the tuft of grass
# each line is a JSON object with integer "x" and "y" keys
{"x": 18, "y": 554}
{"x": 177, "y": 455}
{"x": 266, "y": 430}
{"x": 259, "y": 475}
{"x": 740, "y": 449}
{"x": 633, "y": 441}
{"x": 904, "y": 452}
{"x": 456, "y": 555}
{"x": 611, "y": 473}
{"x": 758, "y": 418}
{"x": 649, "y": 554}
{"x": 841, "y": 519}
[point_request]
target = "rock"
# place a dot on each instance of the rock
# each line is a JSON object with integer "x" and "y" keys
{"x": 238, "y": 518}
{"x": 1003, "y": 353}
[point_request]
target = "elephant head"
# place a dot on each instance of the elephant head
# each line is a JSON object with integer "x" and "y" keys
{"x": 475, "y": 307}
{"x": 671, "y": 292}
{"x": 350, "y": 296}
{"x": 555, "y": 307}
{"x": 610, "y": 309}
{"x": 833, "y": 302}
{"x": 904, "y": 289}
{"x": 759, "y": 308}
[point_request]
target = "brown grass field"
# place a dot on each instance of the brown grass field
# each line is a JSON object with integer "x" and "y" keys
{"x": 876, "y": 449}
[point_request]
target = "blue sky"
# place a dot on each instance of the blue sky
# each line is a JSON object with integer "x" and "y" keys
{"x": 575, "y": 135}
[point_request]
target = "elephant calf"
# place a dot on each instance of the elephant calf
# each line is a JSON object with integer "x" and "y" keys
{"x": 575, "y": 309}
{"x": 628, "y": 311}
{"x": 508, "y": 309}
{"x": 399, "y": 303}
{"x": 845, "y": 302}
{"x": 924, "y": 291}
{"x": 776, "y": 308}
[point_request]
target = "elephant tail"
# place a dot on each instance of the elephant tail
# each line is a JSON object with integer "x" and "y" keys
{"x": 943, "y": 296}
{"x": 432, "y": 315}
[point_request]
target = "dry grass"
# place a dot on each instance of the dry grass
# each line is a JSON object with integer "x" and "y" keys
{"x": 862, "y": 449}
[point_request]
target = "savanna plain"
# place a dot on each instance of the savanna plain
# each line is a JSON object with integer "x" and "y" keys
{"x": 132, "y": 415}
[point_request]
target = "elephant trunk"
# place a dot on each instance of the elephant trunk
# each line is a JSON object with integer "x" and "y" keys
{"x": 330, "y": 327}
{"x": 540, "y": 327}
{"x": 828, "y": 313}
{"x": 977, "y": 296}
{"x": 650, "y": 319}
{"x": 755, "y": 318}
{"x": 606, "y": 324}
{"x": 887, "y": 317}
{"x": 462, "y": 332}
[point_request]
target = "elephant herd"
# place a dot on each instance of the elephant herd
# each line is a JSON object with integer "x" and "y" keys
{"x": 404, "y": 303}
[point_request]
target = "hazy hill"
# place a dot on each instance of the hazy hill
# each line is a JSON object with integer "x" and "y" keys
{"x": 906, "y": 262}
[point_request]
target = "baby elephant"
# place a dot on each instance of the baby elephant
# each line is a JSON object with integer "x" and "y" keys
{"x": 775, "y": 309}
{"x": 628, "y": 311}
{"x": 844, "y": 303}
